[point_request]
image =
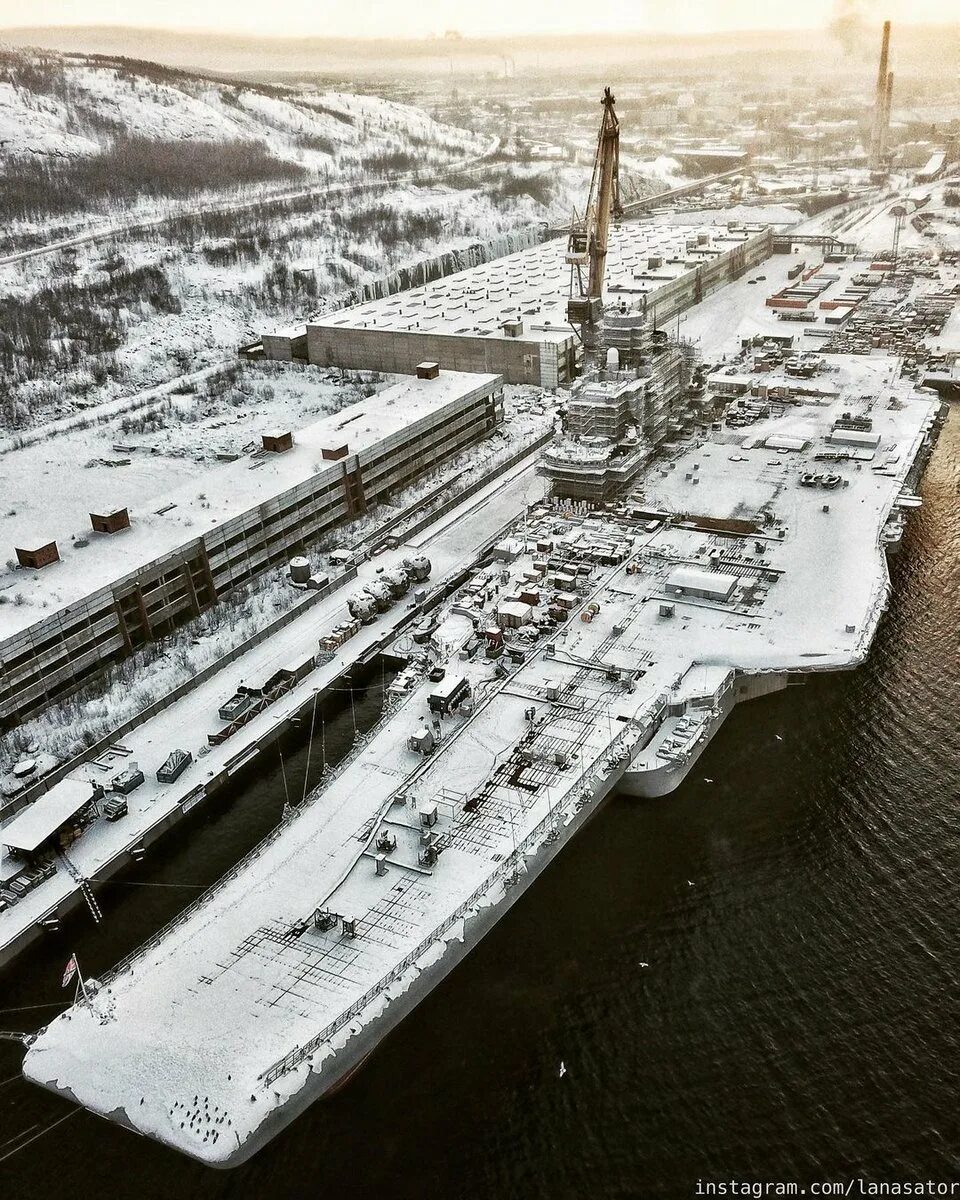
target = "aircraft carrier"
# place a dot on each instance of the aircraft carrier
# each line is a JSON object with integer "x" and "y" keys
{"x": 594, "y": 649}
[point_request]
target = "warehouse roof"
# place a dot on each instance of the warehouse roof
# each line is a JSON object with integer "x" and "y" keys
{"x": 693, "y": 579}
{"x": 854, "y": 437}
{"x": 786, "y": 443}
{"x": 533, "y": 285}
{"x": 222, "y": 493}
{"x": 45, "y": 816}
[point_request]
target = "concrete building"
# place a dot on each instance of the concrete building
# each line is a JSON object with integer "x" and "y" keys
{"x": 701, "y": 584}
{"x": 509, "y": 316}
{"x": 122, "y": 590}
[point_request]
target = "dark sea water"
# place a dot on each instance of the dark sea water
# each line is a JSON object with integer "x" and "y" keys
{"x": 798, "y": 1017}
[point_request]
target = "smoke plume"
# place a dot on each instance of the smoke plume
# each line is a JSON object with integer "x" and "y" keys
{"x": 851, "y": 27}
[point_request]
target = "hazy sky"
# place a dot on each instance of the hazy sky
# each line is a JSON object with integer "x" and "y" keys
{"x": 419, "y": 18}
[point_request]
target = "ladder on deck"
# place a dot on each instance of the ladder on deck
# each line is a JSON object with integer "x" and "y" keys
{"x": 84, "y": 885}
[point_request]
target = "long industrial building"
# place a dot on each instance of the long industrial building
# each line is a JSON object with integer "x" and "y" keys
{"x": 194, "y": 548}
{"x": 509, "y": 316}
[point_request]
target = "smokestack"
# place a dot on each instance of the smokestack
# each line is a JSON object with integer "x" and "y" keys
{"x": 887, "y": 102}
{"x": 884, "y": 61}
{"x": 881, "y": 111}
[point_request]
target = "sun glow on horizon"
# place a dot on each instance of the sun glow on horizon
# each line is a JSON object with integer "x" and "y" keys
{"x": 434, "y": 18}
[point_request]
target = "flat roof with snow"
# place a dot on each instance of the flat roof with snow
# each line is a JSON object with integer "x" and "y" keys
{"x": 447, "y": 686}
{"x": 216, "y": 496}
{"x": 854, "y": 437}
{"x": 533, "y": 285}
{"x": 693, "y": 579}
{"x": 31, "y": 828}
{"x": 514, "y": 608}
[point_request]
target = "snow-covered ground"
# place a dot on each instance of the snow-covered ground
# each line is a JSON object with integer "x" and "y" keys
{"x": 871, "y": 224}
{"x": 61, "y": 478}
{"x": 63, "y": 729}
{"x": 778, "y": 215}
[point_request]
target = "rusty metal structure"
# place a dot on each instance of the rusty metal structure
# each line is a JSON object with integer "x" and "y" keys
{"x": 590, "y": 232}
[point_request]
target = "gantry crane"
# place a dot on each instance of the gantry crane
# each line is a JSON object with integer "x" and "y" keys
{"x": 587, "y": 244}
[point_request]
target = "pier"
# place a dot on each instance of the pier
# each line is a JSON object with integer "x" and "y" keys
{"x": 452, "y": 541}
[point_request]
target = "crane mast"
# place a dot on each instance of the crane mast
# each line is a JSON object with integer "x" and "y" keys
{"x": 589, "y": 234}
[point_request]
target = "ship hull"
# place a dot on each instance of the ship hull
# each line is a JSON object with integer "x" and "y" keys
{"x": 663, "y": 780}
{"x": 336, "y": 1072}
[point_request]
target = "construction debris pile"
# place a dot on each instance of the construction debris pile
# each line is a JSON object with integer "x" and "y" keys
{"x": 898, "y": 317}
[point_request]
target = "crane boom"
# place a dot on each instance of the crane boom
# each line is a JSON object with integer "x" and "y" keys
{"x": 607, "y": 166}
{"x": 589, "y": 235}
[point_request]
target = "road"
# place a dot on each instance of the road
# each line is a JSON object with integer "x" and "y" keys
{"x": 147, "y": 396}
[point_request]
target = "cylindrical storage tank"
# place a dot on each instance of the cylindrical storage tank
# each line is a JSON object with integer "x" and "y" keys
{"x": 397, "y": 581}
{"x": 613, "y": 359}
{"x": 299, "y": 569}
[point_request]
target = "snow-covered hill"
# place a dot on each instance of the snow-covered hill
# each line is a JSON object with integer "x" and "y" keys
{"x": 152, "y": 220}
{"x": 69, "y": 106}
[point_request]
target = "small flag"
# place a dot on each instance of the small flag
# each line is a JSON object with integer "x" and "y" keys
{"x": 69, "y": 971}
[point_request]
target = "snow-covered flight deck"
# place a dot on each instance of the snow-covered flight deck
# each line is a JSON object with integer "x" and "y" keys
{"x": 633, "y": 632}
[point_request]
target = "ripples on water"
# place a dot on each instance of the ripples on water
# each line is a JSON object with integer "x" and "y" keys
{"x": 798, "y": 1018}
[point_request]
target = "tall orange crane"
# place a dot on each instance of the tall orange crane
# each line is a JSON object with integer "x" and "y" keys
{"x": 589, "y": 233}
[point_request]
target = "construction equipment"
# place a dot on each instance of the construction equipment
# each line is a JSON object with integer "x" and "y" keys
{"x": 899, "y": 214}
{"x": 589, "y": 233}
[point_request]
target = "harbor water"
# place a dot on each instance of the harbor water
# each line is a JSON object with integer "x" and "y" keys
{"x": 756, "y": 978}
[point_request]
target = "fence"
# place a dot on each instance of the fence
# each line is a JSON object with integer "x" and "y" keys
{"x": 470, "y": 490}
{"x": 22, "y": 799}
{"x": 359, "y": 743}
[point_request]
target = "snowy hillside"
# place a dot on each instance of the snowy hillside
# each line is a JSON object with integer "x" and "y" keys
{"x": 153, "y": 220}
{"x": 73, "y": 106}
